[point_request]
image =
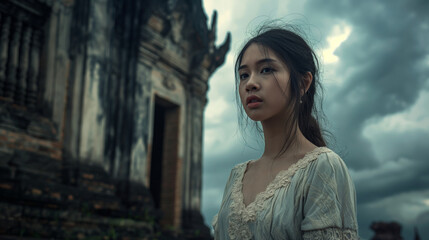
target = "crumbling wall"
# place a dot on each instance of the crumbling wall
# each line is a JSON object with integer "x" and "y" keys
{"x": 78, "y": 85}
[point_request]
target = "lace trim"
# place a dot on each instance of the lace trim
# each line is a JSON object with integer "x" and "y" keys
{"x": 331, "y": 234}
{"x": 240, "y": 215}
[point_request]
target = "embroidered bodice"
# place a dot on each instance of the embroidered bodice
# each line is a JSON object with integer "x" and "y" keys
{"x": 296, "y": 203}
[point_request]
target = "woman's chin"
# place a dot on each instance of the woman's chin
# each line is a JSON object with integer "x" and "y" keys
{"x": 255, "y": 117}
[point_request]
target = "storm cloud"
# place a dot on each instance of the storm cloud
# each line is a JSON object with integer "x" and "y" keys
{"x": 376, "y": 92}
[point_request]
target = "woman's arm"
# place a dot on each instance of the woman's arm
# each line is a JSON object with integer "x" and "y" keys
{"x": 330, "y": 201}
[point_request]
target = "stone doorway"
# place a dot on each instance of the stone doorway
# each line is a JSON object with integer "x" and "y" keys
{"x": 164, "y": 164}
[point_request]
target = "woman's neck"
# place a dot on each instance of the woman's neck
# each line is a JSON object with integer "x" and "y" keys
{"x": 275, "y": 136}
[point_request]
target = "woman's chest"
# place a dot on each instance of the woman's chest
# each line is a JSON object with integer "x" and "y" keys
{"x": 276, "y": 217}
{"x": 254, "y": 184}
{"x": 259, "y": 178}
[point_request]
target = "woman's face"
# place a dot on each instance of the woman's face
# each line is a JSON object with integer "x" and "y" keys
{"x": 264, "y": 84}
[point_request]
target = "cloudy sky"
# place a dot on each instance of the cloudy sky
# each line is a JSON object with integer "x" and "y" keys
{"x": 375, "y": 72}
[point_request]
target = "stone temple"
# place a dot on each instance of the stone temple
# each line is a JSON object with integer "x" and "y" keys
{"x": 101, "y": 118}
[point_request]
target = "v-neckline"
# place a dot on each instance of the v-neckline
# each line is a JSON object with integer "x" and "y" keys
{"x": 240, "y": 214}
{"x": 270, "y": 185}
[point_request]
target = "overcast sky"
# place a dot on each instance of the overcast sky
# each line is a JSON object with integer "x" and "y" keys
{"x": 375, "y": 72}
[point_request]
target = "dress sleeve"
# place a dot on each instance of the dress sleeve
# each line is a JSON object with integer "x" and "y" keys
{"x": 225, "y": 193}
{"x": 329, "y": 206}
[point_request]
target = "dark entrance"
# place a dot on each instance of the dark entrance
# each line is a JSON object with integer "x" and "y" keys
{"x": 164, "y": 166}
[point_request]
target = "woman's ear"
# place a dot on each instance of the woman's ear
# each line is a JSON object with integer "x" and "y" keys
{"x": 307, "y": 79}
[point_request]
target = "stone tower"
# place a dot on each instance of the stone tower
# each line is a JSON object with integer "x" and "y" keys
{"x": 101, "y": 112}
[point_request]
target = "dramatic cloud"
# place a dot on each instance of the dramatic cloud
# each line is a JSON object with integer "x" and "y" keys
{"x": 375, "y": 72}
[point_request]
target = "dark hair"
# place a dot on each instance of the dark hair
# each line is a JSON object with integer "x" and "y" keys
{"x": 294, "y": 51}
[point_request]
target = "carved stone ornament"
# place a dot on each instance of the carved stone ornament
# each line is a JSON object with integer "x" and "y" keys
{"x": 168, "y": 83}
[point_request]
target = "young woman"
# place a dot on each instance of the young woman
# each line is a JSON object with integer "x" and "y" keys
{"x": 298, "y": 188}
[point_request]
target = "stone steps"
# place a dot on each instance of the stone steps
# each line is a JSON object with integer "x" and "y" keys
{"x": 40, "y": 191}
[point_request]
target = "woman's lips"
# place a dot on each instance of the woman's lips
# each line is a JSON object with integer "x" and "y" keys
{"x": 254, "y": 104}
{"x": 253, "y": 101}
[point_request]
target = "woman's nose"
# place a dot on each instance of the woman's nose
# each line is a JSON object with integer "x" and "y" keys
{"x": 252, "y": 84}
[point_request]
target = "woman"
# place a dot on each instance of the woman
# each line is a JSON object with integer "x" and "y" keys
{"x": 298, "y": 189}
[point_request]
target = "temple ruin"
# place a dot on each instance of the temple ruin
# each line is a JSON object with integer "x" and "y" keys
{"x": 101, "y": 117}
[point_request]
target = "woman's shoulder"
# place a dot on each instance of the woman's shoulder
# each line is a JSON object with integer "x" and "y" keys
{"x": 241, "y": 166}
{"x": 319, "y": 155}
{"x": 329, "y": 162}
{"x": 330, "y": 158}
{"x": 238, "y": 170}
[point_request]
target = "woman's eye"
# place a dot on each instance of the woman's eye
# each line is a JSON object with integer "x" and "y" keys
{"x": 244, "y": 76}
{"x": 267, "y": 70}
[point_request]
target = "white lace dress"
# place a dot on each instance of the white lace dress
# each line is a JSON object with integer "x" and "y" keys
{"x": 314, "y": 199}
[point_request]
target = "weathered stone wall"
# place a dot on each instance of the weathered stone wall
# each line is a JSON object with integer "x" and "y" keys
{"x": 79, "y": 81}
